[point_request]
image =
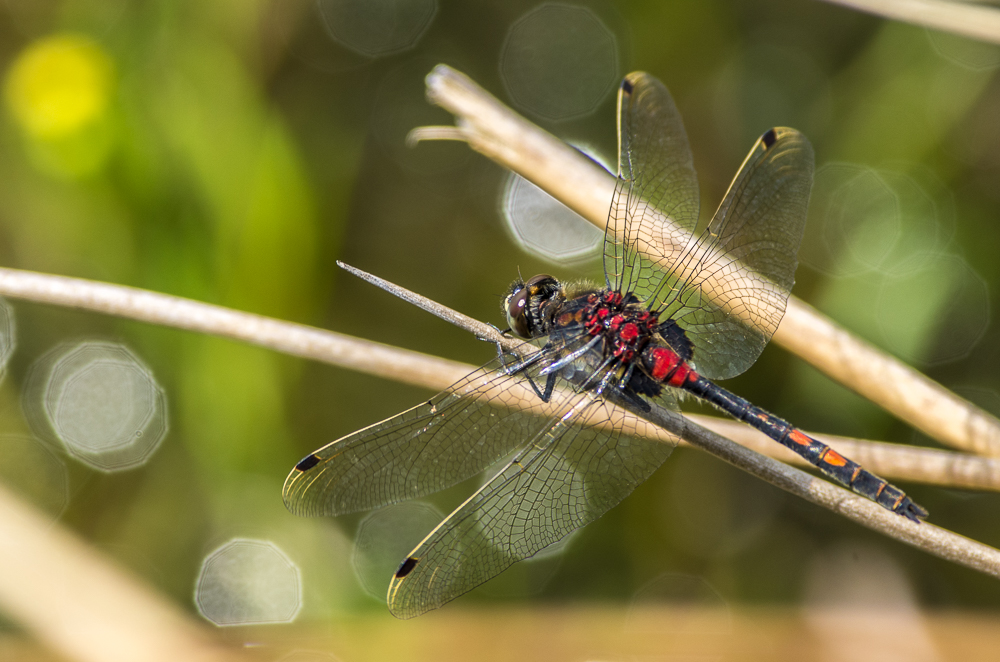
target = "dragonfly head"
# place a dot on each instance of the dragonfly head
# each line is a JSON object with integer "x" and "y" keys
{"x": 524, "y": 301}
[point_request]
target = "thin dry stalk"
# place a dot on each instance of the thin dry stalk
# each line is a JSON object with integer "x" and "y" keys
{"x": 499, "y": 133}
{"x": 179, "y": 313}
{"x": 82, "y": 605}
{"x": 927, "y": 537}
{"x": 415, "y": 368}
{"x": 893, "y": 461}
{"x": 897, "y": 462}
{"x": 981, "y": 23}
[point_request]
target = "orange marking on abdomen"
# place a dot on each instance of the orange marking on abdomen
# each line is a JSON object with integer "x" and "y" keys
{"x": 799, "y": 438}
{"x": 833, "y": 457}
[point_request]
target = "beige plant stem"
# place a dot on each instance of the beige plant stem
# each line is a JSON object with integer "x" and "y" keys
{"x": 894, "y": 461}
{"x": 499, "y": 133}
{"x": 961, "y": 18}
{"x": 414, "y": 368}
{"x": 83, "y": 606}
{"x": 927, "y": 537}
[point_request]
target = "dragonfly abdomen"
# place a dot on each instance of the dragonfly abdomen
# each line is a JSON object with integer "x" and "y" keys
{"x": 845, "y": 471}
{"x": 667, "y": 366}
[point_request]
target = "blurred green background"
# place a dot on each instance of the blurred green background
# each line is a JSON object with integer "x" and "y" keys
{"x": 232, "y": 151}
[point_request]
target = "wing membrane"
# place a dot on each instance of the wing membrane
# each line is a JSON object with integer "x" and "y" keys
{"x": 451, "y": 437}
{"x": 569, "y": 475}
{"x": 726, "y": 285}
{"x": 729, "y": 291}
{"x": 656, "y": 181}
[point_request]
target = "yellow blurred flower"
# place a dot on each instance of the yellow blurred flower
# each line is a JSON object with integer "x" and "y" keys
{"x": 59, "y": 85}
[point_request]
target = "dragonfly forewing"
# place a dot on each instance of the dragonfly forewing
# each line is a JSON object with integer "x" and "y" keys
{"x": 656, "y": 177}
{"x": 451, "y": 437}
{"x": 726, "y": 283}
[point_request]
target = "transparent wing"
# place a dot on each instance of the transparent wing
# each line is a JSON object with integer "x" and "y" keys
{"x": 728, "y": 291}
{"x": 655, "y": 205}
{"x": 451, "y": 437}
{"x": 569, "y": 475}
{"x": 726, "y": 285}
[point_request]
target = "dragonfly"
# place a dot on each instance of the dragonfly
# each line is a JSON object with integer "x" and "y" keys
{"x": 684, "y": 302}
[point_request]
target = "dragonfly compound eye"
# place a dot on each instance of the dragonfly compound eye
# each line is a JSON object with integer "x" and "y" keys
{"x": 523, "y": 305}
{"x": 516, "y": 307}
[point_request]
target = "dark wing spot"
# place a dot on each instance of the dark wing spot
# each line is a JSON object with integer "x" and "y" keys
{"x": 769, "y": 138}
{"x": 627, "y": 86}
{"x": 405, "y": 567}
{"x": 308, "y": 462}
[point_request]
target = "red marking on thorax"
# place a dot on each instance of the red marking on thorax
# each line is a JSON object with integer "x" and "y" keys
{"x": 626, "y": 330}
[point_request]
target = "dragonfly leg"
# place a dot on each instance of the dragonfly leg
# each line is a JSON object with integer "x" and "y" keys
{"x": 628, "y": 375}
{"x": 518, "y": 365}
{"x": 600, "y": 370}
{"x": 628, "y": 394}
{"x": 569, "y": 358}
{"x": 550, "y": 383}
{"x": 635, "y": 400}
{"x": 500, "y": 351}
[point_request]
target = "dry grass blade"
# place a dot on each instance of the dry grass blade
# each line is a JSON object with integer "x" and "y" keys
{"x": 433, "y": 373}
{"x": 504, "y": 136}
{"x": 950, "y": 16}
{"x": 81, "y": 605}
{"x": 943, "y": 468}
{"x": 927, "y": 537}
{"x": 179, "y": 313}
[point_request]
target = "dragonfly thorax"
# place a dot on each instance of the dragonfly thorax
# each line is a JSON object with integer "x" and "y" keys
{"x": 626, "y": 327}
{"x": 629, "y": 332}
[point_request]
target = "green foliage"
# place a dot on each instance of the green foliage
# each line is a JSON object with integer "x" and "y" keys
{"x": 237, "y": 150}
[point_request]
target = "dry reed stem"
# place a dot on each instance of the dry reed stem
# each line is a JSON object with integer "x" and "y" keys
{"x": 414, "y": 368}
{"x": 502, "y": 135}
{"x": 981, "y": 23}
{"x": 82, "y": 605}
{"x": 930, "y": 538}
{"x": 906, "y": 463}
